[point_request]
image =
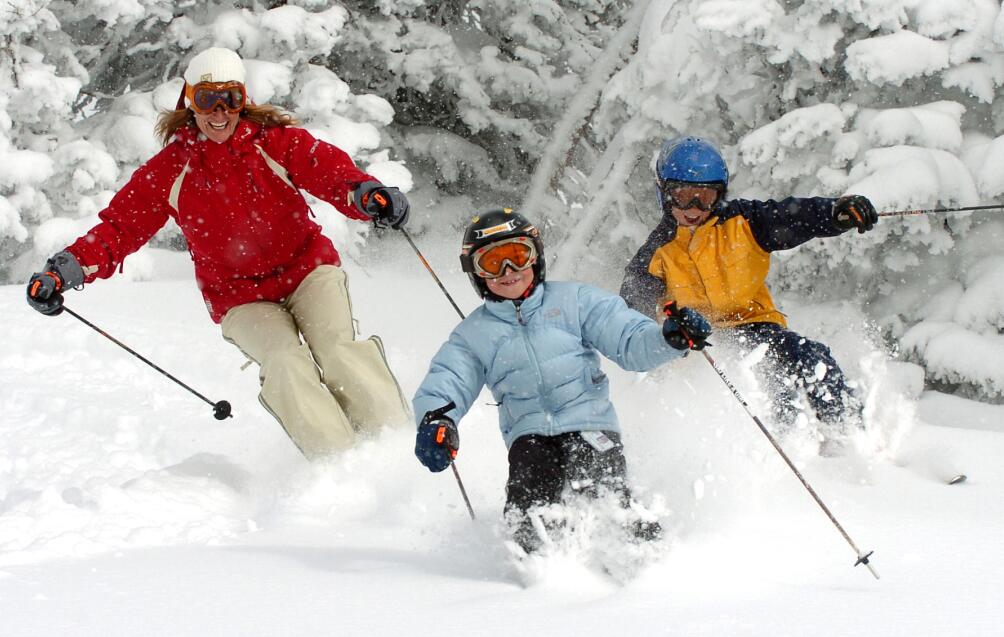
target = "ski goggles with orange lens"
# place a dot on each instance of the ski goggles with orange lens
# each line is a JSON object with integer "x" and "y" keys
{"x": 491, "y": 260}
{"x": 206, "y": 97}
{"x": 687, "y": 196}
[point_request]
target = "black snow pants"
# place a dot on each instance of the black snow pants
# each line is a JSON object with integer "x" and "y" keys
{"x": 543, "y": 469}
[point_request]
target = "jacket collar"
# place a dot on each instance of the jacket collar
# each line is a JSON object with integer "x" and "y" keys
{"x": 506, "y": 310}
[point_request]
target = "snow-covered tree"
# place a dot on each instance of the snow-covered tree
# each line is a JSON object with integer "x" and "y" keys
{"x": 127, "y": 59}
{"x": 559, "y": 106}
{"x": 893, "y": 99}
{"x": 39, "y": 80}
{"x": 478, "y": 86}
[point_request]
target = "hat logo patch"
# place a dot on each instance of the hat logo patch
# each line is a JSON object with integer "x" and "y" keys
{"x": 502, "y": 227}
{"x": 206, "y": 77}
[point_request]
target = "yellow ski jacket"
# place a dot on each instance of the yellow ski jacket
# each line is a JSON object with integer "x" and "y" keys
{"x": 720, "y": 268}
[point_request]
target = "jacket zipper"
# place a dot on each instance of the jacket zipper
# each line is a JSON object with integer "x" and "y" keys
{"x": 536, "y": 367}
{"x": 700, "y": 276}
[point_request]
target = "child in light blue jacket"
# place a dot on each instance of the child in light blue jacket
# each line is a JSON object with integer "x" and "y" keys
{"x": 536, "y": 345}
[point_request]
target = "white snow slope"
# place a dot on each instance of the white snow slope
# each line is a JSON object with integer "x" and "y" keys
{"x": 126, "y": 509}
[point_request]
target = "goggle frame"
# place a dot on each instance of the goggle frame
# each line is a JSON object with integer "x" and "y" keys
{"x": 220, "y": 94}
{"x": 481, "y": 252}
{"x": 669, "y": 188}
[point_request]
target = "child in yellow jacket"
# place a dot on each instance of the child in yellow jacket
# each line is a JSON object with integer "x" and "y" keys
{"x": 713, "y": 255}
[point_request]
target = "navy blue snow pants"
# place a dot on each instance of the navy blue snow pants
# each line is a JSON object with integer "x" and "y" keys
{"x": 794, "y": 363}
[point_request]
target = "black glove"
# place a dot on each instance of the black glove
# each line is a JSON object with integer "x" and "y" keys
{"x": 438, "y": 440}
{"x": 685, "y": 328}
{"x": 387, "y": 205}
{"x": 45, "y": 288}
{"x": 854, "y": 211}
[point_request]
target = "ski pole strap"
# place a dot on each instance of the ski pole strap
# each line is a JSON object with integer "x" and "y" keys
{"x": 436, "y": 414}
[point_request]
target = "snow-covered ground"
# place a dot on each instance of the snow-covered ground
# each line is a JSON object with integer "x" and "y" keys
{"x": 126, "y": 509}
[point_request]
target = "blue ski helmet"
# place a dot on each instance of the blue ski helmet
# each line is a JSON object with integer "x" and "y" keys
{"x": 691, "y": 160}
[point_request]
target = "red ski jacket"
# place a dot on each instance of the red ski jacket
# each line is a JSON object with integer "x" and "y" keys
{"x": 239, "y": 206}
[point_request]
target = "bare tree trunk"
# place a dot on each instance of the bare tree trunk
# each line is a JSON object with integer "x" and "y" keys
{"x": 611, "y": 171}
{"x": 575, "y": 122}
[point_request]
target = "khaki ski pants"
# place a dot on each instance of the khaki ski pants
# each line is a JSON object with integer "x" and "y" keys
{"x": 328, "y": 388}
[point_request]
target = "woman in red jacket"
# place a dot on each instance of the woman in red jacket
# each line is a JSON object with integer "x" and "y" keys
{"x": 230, "y": 176}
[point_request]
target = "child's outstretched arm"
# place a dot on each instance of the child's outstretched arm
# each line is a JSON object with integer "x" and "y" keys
{"x": 785, "y": 224}
{"x": 454, "y": 380}
{"x": 625, "y": 336}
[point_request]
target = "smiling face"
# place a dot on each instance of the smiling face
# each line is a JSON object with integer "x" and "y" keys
{"x": 691, "y": 216}
{"x": 690, "y": 204}
{"x": 511, "y": 284}
{"x": 219, "y": 125}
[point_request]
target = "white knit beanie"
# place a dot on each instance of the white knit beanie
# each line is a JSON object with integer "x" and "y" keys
{"x": 215, "y": 65}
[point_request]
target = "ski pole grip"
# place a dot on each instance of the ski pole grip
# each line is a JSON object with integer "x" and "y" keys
{"x": 442, "y": 437}
{"x": 671, "y": 312}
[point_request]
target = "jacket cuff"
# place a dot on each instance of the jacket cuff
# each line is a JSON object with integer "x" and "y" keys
{"x": 68, "y": 269}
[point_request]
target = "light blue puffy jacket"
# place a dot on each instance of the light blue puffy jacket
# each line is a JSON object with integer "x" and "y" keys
{"x": 540, "y": 360}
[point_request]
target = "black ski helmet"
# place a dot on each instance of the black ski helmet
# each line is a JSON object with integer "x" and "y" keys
{"x": 492, "y": 227}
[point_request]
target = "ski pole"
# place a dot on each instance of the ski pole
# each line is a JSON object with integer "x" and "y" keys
{"x": 456, "y": 473}
{"x": 432, "y": 416}
{"x": 221, "y": 409}
{"x": 863, "y": 558}
{"x": 928, "y": 211}
{"x": 463, "y": 491}
{"x": 453, "y": 464}
{"x": 432, "y": 272}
